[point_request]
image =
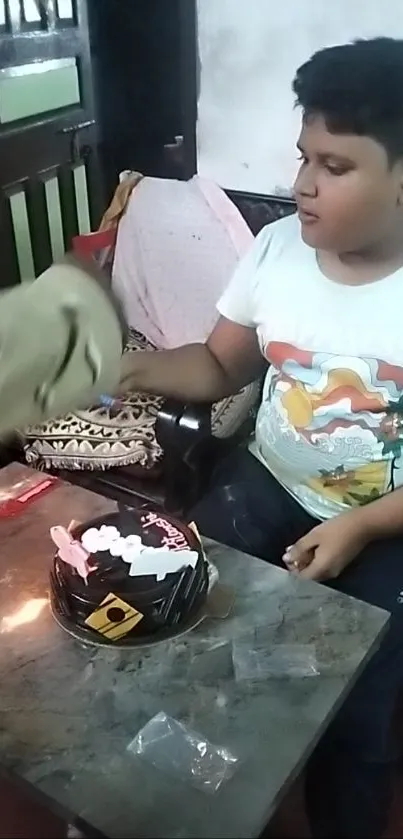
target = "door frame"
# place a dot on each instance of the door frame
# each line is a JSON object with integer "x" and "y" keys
{"x": 190, "y": 79}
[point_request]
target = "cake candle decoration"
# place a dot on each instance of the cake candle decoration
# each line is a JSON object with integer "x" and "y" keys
{"x": 73, "y": 525}
{"x": 71, "y": 551}
{"x": 115, "y": 405}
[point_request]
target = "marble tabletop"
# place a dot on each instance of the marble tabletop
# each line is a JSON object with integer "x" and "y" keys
{"x": 69, "y": 711}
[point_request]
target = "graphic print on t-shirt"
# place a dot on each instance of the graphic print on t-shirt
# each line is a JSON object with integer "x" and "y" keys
{"x": 330, "y": 427}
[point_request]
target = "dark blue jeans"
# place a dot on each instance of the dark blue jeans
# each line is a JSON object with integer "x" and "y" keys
{"x": 348, "y": 780}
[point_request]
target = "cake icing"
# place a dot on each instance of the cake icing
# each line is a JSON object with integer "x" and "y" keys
{"x": 127, "y": 576}
{"x": 144, "y": 560}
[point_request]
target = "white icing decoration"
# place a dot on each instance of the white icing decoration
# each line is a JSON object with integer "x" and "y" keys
{"x": 89, "y": 539}
{"x": 109, "y": 539}
{"x": 159, "y": 562}
{"x": 143, "y": 560}
{"x": 134, "y": 540}
{"x": 117, "y": 547}
{"x": 131, "y": 552}
{"x": 104, "y": 544}
{"x": 112, "y": 534}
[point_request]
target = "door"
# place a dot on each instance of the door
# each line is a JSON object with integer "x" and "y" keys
{"x": 50, "y": 182}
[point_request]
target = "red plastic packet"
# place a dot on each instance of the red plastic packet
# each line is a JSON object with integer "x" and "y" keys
{"x": 15, "y": 499}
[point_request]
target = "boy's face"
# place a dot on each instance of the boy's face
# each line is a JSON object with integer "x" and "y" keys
{"x": 347, "y": 193}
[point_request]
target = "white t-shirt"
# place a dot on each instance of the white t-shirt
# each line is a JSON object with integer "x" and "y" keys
{"x": 330, "y": 427}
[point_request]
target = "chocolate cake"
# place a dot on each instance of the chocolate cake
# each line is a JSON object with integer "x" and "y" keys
{"x": 127, "y": 577}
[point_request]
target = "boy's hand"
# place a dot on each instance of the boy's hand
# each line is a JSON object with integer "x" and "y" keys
{"x": 327, "y": 549}
{"x": 128, "y": 368}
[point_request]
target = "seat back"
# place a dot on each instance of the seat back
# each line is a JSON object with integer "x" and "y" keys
{"x": 177, "y": 246}
{"x": 99, "y": 246}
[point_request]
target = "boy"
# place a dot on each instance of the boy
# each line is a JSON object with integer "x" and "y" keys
{"x": 319, "y": 299}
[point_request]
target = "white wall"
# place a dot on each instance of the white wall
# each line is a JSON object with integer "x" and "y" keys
{"x": 249, "y": 51}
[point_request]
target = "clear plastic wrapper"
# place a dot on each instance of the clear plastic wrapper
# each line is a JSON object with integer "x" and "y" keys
{"x": 279, "y": 661}
{"x": 173, "y": 748}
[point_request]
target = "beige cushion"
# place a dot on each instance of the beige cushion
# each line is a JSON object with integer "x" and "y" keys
{"x": 97, "y": 439}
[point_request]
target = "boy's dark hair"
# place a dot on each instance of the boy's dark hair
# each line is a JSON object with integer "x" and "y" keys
{"x": 358, "y": 89}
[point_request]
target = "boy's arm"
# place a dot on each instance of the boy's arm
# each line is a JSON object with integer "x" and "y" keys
{"x": 329, "y": 548}
{"x": 230, "y": 359}
{"x": 383, "y": 518}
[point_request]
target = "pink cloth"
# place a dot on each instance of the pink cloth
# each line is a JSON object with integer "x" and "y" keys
{"x": 177, "y": 247}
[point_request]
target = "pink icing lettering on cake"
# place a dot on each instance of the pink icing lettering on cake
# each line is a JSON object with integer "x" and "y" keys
{"x": 174, "y": 540}
{"x": 175, "y": 543}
